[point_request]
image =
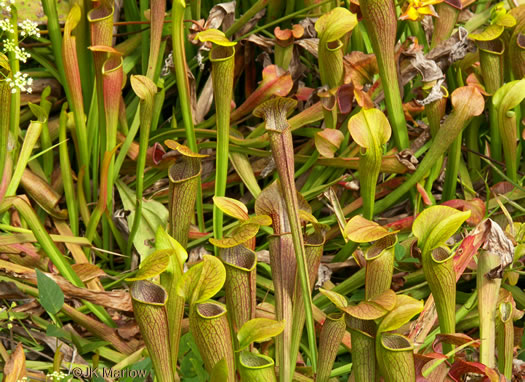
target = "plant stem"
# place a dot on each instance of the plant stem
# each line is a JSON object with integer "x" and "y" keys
{"x": 55, "y": 255}
{"x": 146, "y": 90}
{"x": 254, "y": 9}
{"x": 488, "y": 290}
{"x": 14, "y": 115}
{"x": 381, "y": 23}
{"x": 65, "y": 167}
{"x": 452, "y": 169}
{"x": 5, "y": 105}
{"x": 450, "y": 129}
{"x": 179, "y": 61}
{"x": 223, "y": 62}
{"x": 274, "y": 112}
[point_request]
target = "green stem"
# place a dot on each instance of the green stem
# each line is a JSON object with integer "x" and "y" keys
{"x": 488, "y": 289}
{"x": 314, "y": 250}
{"x": 33, "y": 133}
{"x": 275, "y": 9}
{"x": 222, "y": 59}
{"x": 444, "y": 24}
{"x": 158, "y": 10}
{"x": 146, "y": 110}
{"x": 472, "y": 142}
{"x": 281, "y": 142}
{"x": 417, "y": 30}
{"x": 452, "y": 169}
{"x": 5, "y": 105}
{"x": 45, "y": 138}
{"x": 461, "y": 313}
{"x": 85, "y": 63}
{"x": 67, "y": 179}
{"x": 381, "y": 23}
{"x": 504, "y": 341}
{"x": 54, "y": 254}
{"x": 254, "y": 9}
{"x": 446, "y": 135}
{"x": 53, "y": 26}
{"x": 14, "y": 115}
{"x": 179, "y": 61}
{"x": 282, "y": 19}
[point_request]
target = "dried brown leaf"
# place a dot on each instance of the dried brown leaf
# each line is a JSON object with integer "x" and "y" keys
{"x": 496, "y": 242}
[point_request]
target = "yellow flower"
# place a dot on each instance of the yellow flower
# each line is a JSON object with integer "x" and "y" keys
{"x": 415, "y": 9}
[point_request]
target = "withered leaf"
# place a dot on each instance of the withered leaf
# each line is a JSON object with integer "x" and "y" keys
{"x": 496, "y": 242}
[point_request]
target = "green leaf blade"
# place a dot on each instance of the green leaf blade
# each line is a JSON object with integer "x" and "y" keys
{"x": 50, "y": 295}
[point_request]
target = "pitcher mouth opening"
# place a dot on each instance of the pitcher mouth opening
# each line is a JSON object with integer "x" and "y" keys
{"x": 221, "y": 53}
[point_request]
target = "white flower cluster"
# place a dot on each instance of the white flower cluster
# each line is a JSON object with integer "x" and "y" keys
{"x": 29, "y": 28}
{"x": 56, "y": 375}
{"x": 6, "y": 5}
{"x": 20, "y": 81}
{"x": 6, "y": 26}
{"x": 21, "y": 54}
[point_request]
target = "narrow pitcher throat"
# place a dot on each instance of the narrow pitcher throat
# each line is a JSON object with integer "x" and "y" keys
{"x": 222, "y": 53}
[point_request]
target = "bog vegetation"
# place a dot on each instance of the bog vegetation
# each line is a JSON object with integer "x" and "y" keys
{"x": 264, "y": 190}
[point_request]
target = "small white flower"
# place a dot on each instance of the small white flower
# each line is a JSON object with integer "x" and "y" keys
{"x": 29, "y": 28}
{"x": 5, "y": 6}
{"x": 20, "y": 81}
{"x": 22, "y": 54}
{"x": 6, "y": 25}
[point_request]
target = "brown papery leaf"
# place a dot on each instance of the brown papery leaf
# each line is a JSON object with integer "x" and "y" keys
{"x": 118, "y": 299}
{"x": 87, "y": 271}
{"x": 15, "y": 367}
{"x": 221, "y": 14}
{"x": 69, "y": 352}
{"x": 311, "y": 45}
{"x": 496, "y": 242}
{"x": 9, "y": 291}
